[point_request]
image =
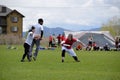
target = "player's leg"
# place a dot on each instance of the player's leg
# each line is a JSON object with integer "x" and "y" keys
{"x": 31, "y": 48}
{"x": 73, "y": 54}
{"x": 63, "y": 53}
{"x": 28, "y": 51}
{"x": 25, "y": 52}
{"x": 76, "y": 58}
{"x": 37, "y": 42}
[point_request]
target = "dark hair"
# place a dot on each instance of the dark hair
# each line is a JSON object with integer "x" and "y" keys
{"x": 40, "y": 20}
{"x": 31, "y": 29}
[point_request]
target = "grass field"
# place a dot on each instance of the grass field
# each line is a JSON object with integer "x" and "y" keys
{"x": 94, "y": 65}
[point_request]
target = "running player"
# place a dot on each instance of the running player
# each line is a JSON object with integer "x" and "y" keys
{"x": 67, "y": 47}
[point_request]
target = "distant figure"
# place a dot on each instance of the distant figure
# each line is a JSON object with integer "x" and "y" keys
{"x": 90, "y": 41}
{"x": 95, "y": 47}
{"x": 59, "y": 39}
{"x": 38, "y": 31}
{"x": 88, "y": 48}
{"x": 50, "y": 40}
{"x": 67, "y": 47}
{"x": 53, "y": 41}
{"x": 119, "y": 44}
{"x": 116, "y": 43}
{"x": 106, "y": 47}
{"x": 63, "y": 37}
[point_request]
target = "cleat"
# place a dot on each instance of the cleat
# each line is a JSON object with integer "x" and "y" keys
{"x": 34, "y": 58}
{"x": 62, "y": 60}
{"x": 22, "y": 60}
{"x": 78, "y": 61}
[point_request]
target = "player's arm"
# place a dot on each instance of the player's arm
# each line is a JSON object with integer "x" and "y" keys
{"x": 66, "y": 45}
{"x": 63, "y": 44}
{"x": 80, "y": 42}
{"x": 41, "y": 34}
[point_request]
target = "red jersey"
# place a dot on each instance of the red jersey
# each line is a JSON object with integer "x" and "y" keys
{"x": 59, "y": 38}
{"x": 50, "y": 38}
{"x": 94, "y": 44}
{"x": 63, "y": 38}
{"x": 69, "y": 42}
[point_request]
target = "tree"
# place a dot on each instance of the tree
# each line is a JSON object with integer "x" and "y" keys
{"x": 113, "y": 26}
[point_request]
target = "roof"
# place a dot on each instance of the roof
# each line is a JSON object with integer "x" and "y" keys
{"x": 100, "y": 39}
{"x": 8, "y": 11}
{"x": 16, "y": 12}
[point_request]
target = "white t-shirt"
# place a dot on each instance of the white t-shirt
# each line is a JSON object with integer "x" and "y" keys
{"x": 38, "y": 29}
{"x": 29, "y": 39}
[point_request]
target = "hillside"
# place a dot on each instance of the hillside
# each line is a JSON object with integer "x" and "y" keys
{"x": 58, "y": 30}
{"x": 49, "y": 31}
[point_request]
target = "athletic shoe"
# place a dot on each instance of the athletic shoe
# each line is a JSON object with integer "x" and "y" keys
{"x": 78, "y": 61}
{"x": 62, "y": 60}
{"x": 29, "y": 60}
{"x": 22, "y": 60}
{"x": 34, "y": 58}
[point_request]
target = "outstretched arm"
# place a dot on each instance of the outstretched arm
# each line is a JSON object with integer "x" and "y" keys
{"x": 80, "y": 42}
{"x": 63, "y": 43}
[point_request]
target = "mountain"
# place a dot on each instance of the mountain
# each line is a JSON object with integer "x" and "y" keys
{"x": 95, "y": 29}
{"x": 50, "y": 31}
{"x": 24, "y": 34}
{"x": 58, "y": 30}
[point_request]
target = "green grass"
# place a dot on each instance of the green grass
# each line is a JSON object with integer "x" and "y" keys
{"x": 94, "y": 65}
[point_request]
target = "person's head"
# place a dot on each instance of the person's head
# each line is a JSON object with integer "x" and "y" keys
{"x": 53, "y": 34}
{"x": 59, "y": 34}
{"x": 32, "y": 29}
{"x": 63, "y": 34}
{"x": 70, "y": 36}
{"x": 40, "y": 21}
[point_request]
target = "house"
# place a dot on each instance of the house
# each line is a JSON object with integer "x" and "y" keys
{"x": 11, "y": 21}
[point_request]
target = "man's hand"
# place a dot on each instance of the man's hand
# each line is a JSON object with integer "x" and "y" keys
{"x": 41, "y": 38}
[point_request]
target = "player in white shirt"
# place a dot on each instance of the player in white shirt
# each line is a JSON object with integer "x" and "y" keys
{"x": 28, "y": 43}
{"x": 38, "y": 31}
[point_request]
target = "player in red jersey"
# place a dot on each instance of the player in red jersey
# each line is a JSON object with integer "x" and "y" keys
{"x": 59, "y": 39}
{"x": 63, "y": 37}
{"x": 67, "y": 47}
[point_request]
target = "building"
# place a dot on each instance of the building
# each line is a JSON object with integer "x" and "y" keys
{"x": 11, "y": 21}
{"x": 100, "y": 37}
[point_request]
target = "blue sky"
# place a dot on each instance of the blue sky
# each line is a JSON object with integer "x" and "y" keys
{"x": 69, "y": 14}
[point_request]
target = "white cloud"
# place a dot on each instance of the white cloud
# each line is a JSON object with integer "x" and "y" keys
{"x": 72, "y": 12}
{"x": 114, "y": 9}
{"x": 88, "y": 4}
{"x": 113, "y": 2}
